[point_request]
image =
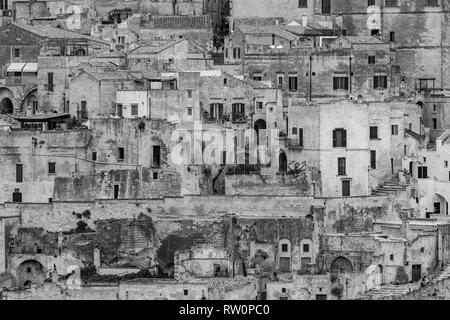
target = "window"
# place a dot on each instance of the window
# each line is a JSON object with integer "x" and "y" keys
{"x": 305, "y": 247}
{"x": 94, "y": 156}
{"x": 17, "y": 196}
{"x": 257, "y": 77}
{"x": 371, "y": 59}
{"x": 293, "y": 83}
{"x": 19, "y": 173}
{"x": 116, "y": 191}
{"x": 340, "y": 83}
{"x": 391, "y": 257}
{"x": 121, "y": 154}
{"x": 226, "y": 53}
{"x": 83, "y": 110}
{"x": 189, "y": 112}
{"x": 236, "y": 53}
{"x": 370, "y": 3}
{"x": 238, "y": 111}
{"x": 346, "y": 188}
{"x": 423, "y": 172}
{"x": 225, "y": 81}
{"x": 326, "y": 6}
{"x": 50, "y": 81}
{"x": 374, "y": 32}
{"x": 341, "y": 167}
{"x": 51, "y": 168}
{"x": 280, "y": 79}
{"x": 432, "y": 3}
{"x": 185, "y": 292}
{"x": 189, "y": 93}
{"x": 294, "y": 131}
{"x": 426, "y": 84}
{"x": 300, "y": 137}
{"x": 119, "y": 110}
{"x": 380, "y": 82}
{"x": 156, "y": 156}
{"x": 283, "y": 290}
{"x": 445, "y": 164}
{"x": 303, "y": 3}
{"x": 391, "y": 3}
{"x": 16, "y": 53}
{"x": 392, "y": 36}
{"x": 394, "y": 129}
{"x": 373, "y": 132}
{"x": 155, "y": 175}
{"x": 373, "y": 159}
{"x": 434, "y": 123}
{"x": 134, "y": 109}
{"x": 339, "y": 138}
{"x": 422, "y": 249}
{"x": 284, "y": 247}
{"x": 259, "y": 105}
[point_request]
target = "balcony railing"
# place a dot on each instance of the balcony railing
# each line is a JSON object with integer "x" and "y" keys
{"x": 293, "y": 143}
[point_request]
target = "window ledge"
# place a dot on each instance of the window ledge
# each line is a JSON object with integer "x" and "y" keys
{"x": 376, "y": 139}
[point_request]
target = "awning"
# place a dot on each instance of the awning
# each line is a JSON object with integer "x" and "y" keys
{"x": 15, "y": 67}
{"x": 30, "y": 67}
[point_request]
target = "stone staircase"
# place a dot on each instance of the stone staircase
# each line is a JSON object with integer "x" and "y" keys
{"x": 389, "y": 187}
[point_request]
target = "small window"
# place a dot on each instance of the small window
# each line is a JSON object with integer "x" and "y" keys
{"x": 340, "y": 83}
{"x": 121, "y": 154}
{"x": 434, "y": 123}
{"x": 391, "y": 257}
{"x": 373, "y": 133}
{"x": 423, "y": 172}
{"x": 303, "y": 3}
{"x": 306, "y": 247}
{"x": 155, "y": 175}
{"x": 371, "y": 59}
{"x": 28, "y": 269}
{"x": 422, "y": 249}
{"x": 16, "y": 53}
{"x": 225, "y": 81}
{"x": 236, "y": 53}
{"x": 380, "y": 82}
{"x": 189, "y": 93}
{"x": 283, "y": 290}
{"x": 280, "y": 79}
{"x": 116, "y": 191}
{"x": 189, "y": 111}
{"x": 326, "y": 6}
{"x": 394, "y": 129}
{"x": 134, "y": 109}
{"x": 341, "y": 167}
{"x": 370, "y": 3}
{"x": 445, "y": 164}
{"x": 294, "y": 131}
{"x": 94, "y": 156}
{"x": 433, "y": 3}
{"x": 259, "y": 105}
{"x": 293, "y": 83}
{"x": 391, "y": 3}
{"x": 374, "y": 32}
{"x": 339, "y": 138}
{"x": 185, "y": 292}
{"x": 392, "y": 36}
{"x": 19, "y": 172}
{"x": 17, "y": 196}
{"x": 51, "y": 168}
{"x": 284, "y": 247}
{"x": 373, "y": 159}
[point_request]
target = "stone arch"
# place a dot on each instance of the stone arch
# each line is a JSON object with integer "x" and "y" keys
{"x": 31, "y": 271}
{"x": 374, "y": 276}
{"x": 28, "y": 100}
{"x": 442, "y": 208}
{"x": 6, "y": 101}
{"x": 259, "y": 125}
{"x": 282, "y": 161}
{"x": 342, "y": 265}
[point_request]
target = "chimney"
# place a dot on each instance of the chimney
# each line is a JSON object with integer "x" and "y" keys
{"x": 305, "y": 20}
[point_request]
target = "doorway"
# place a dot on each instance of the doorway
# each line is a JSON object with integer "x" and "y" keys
{"x": 116, "y": 191}
{"x": 416, "y": 272}
{"x": 392, "y": 166}
{"x": 285, "y": 264}
{"x": 346, "y": 188}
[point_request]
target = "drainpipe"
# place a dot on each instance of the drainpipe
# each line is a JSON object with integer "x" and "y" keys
{"x": 310, "y": 78}
{"x": 350, "y": 79}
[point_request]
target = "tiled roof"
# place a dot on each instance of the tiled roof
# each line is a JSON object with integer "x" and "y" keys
{"x": 364, "y": 40}
{"x": 182, "y": 22}
{"x": 49, "y": 32}
{"x": 113, "y": 75}
{"x": 267, "y": 29}
{"x": 257, "y": 21}
{"x": 155, "y": 46}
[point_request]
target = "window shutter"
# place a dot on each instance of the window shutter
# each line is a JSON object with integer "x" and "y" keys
{"x": 385, "y": 82}
{"x": 346, "y": 83}
{"x": 344, "y": 137}
{"x": 375, "y": 82}
{"x": 425, "y": 172}
{"x": 334, "y": 139}
{"x": 300, "y": 137}
{"x": 335, "y": 83}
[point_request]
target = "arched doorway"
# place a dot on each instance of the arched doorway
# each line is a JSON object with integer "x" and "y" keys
{"x": 30, "y": 102}
{"x": 282, "y": 162}
{"x": 261, "y": 140}
{"x": 6, "y": 106}
{"x": 30, "y": 271}
{"x": 341, "y": 265}
{"x": 440, "y": 205}
{"x": 259, "y": 125}
{"x": 374, "y": 274}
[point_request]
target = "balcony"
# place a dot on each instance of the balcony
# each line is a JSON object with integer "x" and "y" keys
{"x": 293, "y": 143}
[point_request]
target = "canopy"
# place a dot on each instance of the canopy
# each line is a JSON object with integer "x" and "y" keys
{"x": 30, "y": 67}
{"x": 15, "y": 67}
